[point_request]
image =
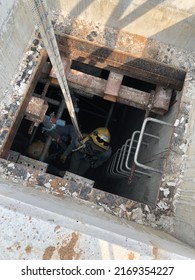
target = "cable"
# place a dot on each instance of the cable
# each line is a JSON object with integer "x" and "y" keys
{"x": 43, "y": 20}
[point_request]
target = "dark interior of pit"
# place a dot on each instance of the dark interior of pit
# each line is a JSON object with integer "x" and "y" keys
{"x": 92, "y": 113}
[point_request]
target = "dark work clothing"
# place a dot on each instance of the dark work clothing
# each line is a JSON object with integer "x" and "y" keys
{"x": 56, "y": 131}
{"x": 79, "y": 165}
{"x": 84, "y": 156}
{"x": 81, "y": 161}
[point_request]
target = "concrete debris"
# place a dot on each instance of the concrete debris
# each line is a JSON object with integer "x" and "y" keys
{"x": 122, "y": 206}
{"x": 11, "y": 165}
{"x": 166, "y": 191}
{"x": 47, "y": 185}
{"x": 137, "y": 214}
{"x": 171, "y": 184}
{"x": 101, "y": 209}
{"x": 183, "y": 147}
{"x": 151, "y": 218}
{"x": 176, "y": 122}
{"x": 62, "y": 188}
{"x": 163, "y": 205}
{"x": 74, "y": 194}
{"x": 146, "y": 208}
{"x": 28, "y": 176}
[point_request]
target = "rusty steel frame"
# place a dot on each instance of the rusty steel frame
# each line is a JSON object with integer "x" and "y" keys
{"x": 125, "y": 63}
{"x": 113, "y": 86}
{"x": 161, "y": 101}
{"x": 95, "y": 86}
{"x": 126, "y": 95}
{"x": 36, "y": 110}
{"x": 21, "y": 111}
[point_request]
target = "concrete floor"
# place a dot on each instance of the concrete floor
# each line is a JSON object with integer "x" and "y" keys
{"x": 36, "y": 225}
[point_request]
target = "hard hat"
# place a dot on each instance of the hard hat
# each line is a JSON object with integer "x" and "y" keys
{"x": 101, "y": 137}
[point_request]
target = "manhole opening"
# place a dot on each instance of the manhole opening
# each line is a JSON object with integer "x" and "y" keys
{"x": 92, "y": 112}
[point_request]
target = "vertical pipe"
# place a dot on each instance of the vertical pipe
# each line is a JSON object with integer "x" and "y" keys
{"x": 49, "y": 139}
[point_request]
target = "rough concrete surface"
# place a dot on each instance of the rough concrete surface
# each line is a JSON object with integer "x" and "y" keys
{"x": 35, "y": 225}
{"x": 170, "y": 22}
{"x": 174, "y": 211}
{"x": 16, "y": 29}
{"x": 162, "y": 216}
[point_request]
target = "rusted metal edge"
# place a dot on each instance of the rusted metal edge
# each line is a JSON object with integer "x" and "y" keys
{"x": 123, "y": 62}
{"x": 36, "y": 109}
{"x": 21, "y": 110}
{"x": 161, "y": 100}
{"x": 113, "y": 86}
{"x": 96, "y": 86}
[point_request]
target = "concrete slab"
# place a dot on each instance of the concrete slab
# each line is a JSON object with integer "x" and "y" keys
{"x": 35, "y": 225}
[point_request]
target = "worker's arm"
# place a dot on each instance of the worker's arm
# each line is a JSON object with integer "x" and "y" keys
{"x": 68, "y": 151}
{"x": 70, "y": 148}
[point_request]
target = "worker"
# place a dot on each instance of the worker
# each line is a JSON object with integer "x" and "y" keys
{"x": 90, "y": 152}
{"x": 54, "y": 127}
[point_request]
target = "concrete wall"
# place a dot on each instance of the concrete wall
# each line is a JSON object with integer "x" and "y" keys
{"x": 6, "y": 10}
{"x": 66, "y": 229}
{"x": 155, "y": 154}
{"x": 169, "y": 21}
{"x": 184, "y": 221}
{"x": 16, "y": 27}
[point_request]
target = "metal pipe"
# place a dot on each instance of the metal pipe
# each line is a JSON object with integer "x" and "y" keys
{"x": 45, "y": 89}
{"x": 49, "y": 100}
{"x": 33, "y": 135}
{"x": 43, "y": 94}
{"x": 49, "y": 139}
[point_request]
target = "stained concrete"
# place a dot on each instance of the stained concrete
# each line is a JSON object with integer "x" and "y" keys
{"x": 35, "y": 225}
{"x": 185, "y": 198}
{"x": 16, "y": 29}
{"x": 174, "y": 213}
{"x": 170, "y": 22}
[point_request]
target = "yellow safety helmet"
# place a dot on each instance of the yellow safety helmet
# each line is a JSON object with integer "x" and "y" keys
{"x": 101, "y": 137}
